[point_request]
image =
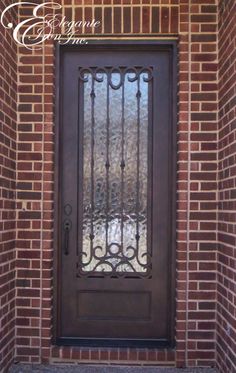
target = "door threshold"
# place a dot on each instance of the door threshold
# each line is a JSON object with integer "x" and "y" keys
{"x": 100, "y": 342}
{"x": 88, "y": 368}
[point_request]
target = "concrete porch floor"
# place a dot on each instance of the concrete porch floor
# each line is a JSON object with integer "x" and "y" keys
{"x": 23, "y": 368}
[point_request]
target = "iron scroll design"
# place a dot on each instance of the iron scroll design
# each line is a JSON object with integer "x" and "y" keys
{"x": 114, "y": 262}
{"x": 98, "y": 73}
{"x": 113, "y": 254}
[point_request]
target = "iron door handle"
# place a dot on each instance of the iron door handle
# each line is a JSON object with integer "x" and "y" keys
{"x": 67, "y": 227}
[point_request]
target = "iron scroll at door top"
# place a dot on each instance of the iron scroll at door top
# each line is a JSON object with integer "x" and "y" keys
{"x": 132, "y": 73}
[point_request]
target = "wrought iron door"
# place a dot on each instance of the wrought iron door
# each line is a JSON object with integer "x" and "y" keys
{"x": 115, "y": 221}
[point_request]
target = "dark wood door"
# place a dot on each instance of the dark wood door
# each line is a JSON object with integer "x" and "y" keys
{"x": 115, "y": 199}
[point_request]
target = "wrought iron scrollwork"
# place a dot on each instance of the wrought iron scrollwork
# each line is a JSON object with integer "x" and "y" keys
{"x": 104, "y": 253}
{"x": 132, "y": 73}
{"x": 115, "y": 261}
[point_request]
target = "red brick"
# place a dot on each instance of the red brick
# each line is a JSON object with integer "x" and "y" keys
{"x": 202, "y": 237}
{"x": 136, "y": 20}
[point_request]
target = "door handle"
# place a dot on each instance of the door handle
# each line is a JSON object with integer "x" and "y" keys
{"x": 67, "y": 227}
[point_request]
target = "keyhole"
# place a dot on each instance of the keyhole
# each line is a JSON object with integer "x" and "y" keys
{"x": 67, "y": 225}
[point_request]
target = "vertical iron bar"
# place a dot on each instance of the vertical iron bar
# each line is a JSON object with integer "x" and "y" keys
{"x": 150, "y": 89}
{"x": 92, "y": 95}
{"x": 138, "y": 95}
{"x": 80, "y": 150}
{"x": 107, "y": 163}
{"x": 122, "y": 162}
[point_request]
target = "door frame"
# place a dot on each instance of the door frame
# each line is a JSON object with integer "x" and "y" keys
{"x": 141, "y": 44}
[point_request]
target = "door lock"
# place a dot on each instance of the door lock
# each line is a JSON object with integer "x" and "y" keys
{"x": 67, "y": 227}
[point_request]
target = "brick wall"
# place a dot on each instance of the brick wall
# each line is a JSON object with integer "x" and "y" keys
{"x": 8, "y": 80}
{"x": 197, "y": 257}
{"x": 226, "y": 300}
{"x": 201, "y": 223}
{"x": 197, "y": 218}
{"x": 196, "y": 28}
